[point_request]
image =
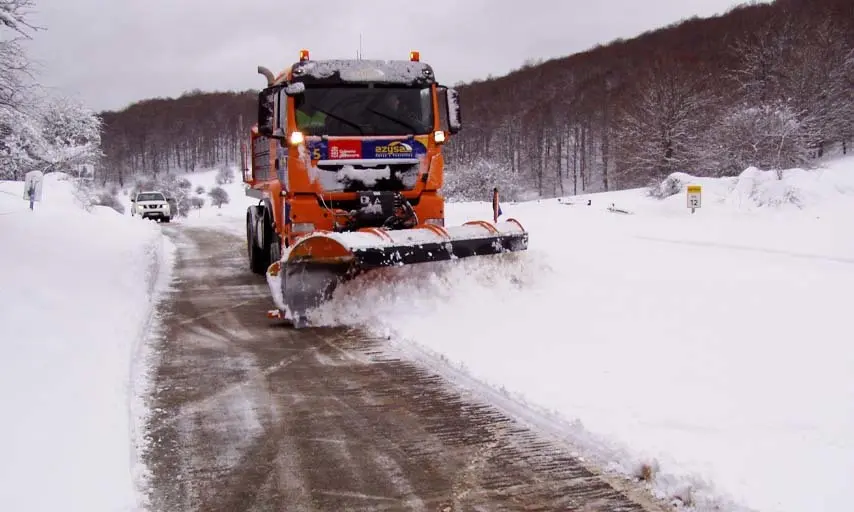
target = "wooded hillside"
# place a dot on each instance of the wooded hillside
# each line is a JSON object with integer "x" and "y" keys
{"x": 768, "y": 85}
{"x": 196, "y": 130}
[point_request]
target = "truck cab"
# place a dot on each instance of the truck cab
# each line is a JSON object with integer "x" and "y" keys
{"x": 340, "y": 144}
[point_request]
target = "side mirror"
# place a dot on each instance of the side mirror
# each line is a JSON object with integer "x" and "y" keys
{"x": 455, "y": 121}
{"x": 266, "y": 111}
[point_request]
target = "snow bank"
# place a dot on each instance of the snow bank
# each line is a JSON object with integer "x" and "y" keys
{"x": 754, "y": 188}
{"x": 78, "y": 294}
{"x": 713, "y": 347}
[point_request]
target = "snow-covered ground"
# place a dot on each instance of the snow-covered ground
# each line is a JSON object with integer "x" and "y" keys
{"x": 78, "y": 290}
{"x": 714, "y": 346}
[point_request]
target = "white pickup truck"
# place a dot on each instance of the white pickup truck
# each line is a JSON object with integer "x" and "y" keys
{"x": 151, "y": 205}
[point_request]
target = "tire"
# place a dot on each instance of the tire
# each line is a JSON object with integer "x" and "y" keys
{"x": 257, "y": 251}
{"x": 167, "y": 219}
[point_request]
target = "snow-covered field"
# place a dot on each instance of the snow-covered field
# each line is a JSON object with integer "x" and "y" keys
{"x": 78, "y": 289}
{"x": 713, "y": 346}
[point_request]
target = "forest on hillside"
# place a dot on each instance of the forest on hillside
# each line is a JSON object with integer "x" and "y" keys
{"x": 767, "y": 85}
{"x": 160, "y": 135}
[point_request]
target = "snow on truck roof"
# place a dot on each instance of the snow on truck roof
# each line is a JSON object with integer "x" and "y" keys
{"x": 387, "y": 71}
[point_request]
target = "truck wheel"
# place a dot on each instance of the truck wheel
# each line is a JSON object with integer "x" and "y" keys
{"x": 257, "y": 250}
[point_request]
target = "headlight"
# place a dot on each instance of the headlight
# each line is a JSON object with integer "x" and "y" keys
{"x": 296, "y": 138}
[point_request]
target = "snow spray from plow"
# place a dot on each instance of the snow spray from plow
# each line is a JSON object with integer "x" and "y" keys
{"x": 309, "y": 272}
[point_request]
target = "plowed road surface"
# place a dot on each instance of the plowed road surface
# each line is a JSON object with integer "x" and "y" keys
{"x": 252, "y": 416}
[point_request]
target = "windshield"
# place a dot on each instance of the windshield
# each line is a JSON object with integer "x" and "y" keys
{"x": 360, "y": 110}
{"x": 150, "y": 197}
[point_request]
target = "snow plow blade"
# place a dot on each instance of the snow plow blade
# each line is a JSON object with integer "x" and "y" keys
{"x": 309, "y": 272}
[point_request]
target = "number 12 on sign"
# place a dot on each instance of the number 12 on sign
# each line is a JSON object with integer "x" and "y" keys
{"x": 694, "y": 197}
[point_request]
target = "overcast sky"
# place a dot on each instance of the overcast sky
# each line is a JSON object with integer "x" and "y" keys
{"x": 112, "y": 52}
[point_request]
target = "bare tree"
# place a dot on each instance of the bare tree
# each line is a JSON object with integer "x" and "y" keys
{"x": 661, "y": 130}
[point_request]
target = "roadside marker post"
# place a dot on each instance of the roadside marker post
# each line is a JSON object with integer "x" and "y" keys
{"x": 695, "y": 197}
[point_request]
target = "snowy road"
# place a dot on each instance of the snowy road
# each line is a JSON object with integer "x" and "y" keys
{"x": 253, "y": 416}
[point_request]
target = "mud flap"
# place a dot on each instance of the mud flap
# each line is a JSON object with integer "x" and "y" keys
{"x": 306, "y": 285}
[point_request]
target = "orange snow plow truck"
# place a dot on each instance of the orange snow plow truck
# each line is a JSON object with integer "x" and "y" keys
{"x": 346, "y": 163}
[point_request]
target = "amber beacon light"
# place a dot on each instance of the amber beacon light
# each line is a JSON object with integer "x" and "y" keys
{"x": 414, "y": 56}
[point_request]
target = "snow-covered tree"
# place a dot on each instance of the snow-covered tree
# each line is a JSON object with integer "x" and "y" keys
{"x": 37, "y": 131}
{"x": 13, "y": 15}
{"x": 475, "y": 181}
{"x": 224, "y": 175}
{"x": 662, "y": 130}
{"x": 55, "y": 136}
{"x": 20, "y": 143}
{"x": 768, "y": 137}
{"x": 17, "y": 132}
{"x": 796, "y": 66}
{"x": 71, "y": 132}
{"x": 15, "y": 79}
{"x": 219, "y": 196}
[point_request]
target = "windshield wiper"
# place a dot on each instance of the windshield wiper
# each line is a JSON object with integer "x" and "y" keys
{"x": 396, "y": 120}
{"x": 343, "y": 120}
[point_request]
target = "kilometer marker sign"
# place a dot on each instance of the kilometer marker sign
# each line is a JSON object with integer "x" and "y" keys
{"x": 695, "y": 193}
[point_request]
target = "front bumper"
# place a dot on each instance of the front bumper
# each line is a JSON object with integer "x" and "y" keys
{"x": 153, "y": 212}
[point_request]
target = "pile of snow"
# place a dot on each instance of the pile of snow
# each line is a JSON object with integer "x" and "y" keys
{"x": 754, "y": 188}
{"x": 78, "y": 293}
{"x": 712, "y": 347}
